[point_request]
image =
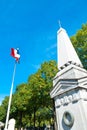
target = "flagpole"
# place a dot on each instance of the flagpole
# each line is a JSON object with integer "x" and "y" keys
{"x": 10, "y": 98}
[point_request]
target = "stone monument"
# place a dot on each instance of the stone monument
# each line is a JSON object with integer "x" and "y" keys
{"x": 11, "y": 124}
{"x": 69, "y": 87}
{"x": 1, "y": 125}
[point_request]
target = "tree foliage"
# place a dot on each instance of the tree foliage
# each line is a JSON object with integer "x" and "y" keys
{"x": 31, "y": 102}
{"x": 79, "y": 41}
{"x": 40, "y": 84}
{"x": 3, "y": 109}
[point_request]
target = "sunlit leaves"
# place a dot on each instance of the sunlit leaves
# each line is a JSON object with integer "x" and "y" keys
{"x": 79, "y": 41}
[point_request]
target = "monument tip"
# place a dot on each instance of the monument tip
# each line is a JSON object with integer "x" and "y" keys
{"x": 65, "y": 49}
{"x": 59, "y": 24}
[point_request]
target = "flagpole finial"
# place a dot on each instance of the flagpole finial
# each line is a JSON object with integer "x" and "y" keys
{"x": 59, "y": 24}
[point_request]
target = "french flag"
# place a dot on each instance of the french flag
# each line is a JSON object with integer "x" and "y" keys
{"x": 15, "y": 53}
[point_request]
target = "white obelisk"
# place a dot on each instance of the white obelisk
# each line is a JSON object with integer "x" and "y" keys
{"x": 66, "y": 51}
{"x": 69, "y": 87}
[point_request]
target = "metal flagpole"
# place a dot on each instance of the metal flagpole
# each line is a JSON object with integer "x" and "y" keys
{"x": 9, "y": 104}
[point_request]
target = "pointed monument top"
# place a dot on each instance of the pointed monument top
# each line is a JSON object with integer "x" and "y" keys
{"x": 66, "y": 51}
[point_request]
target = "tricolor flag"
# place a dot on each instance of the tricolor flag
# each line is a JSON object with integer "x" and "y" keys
{"x": 15, "y": 53}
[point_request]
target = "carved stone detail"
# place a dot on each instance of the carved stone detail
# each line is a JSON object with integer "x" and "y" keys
{"x": 76, "y": 97}
{"x": 70, "y": 98}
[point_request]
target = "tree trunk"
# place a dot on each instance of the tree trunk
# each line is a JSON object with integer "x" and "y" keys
{"x": 34, "y": 116}
{"x": 20, "y": 121}
{"x": 55, "y": 121}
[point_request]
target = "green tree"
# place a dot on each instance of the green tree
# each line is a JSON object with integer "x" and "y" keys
{"x": 31, "y": 102}
{"x": 79, "y": 41}
{"x": 40, "y": 84}
{"x": 35, "y": 83}
{"x": 3, "y": 109}
{"x": 20, "y": 103}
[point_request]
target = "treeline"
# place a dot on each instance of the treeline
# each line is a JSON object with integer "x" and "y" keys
{"x": 31, "y": 102}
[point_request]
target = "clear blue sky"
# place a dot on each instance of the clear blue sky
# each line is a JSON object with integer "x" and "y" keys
{"x": 31, "y": 26}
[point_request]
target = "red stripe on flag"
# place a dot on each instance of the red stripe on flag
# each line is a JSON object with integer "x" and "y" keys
{"x": 12, "y": 52}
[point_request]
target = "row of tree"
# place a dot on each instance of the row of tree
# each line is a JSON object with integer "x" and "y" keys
{"x": 31, "y": 102}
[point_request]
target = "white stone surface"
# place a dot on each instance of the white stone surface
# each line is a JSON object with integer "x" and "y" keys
{"x": 77, "y": 110}
{"x": 66, "y": 51}
{"x": 69, "y": 86}
{"x": 11, "y": 125}
{"x": 1, "y": 124}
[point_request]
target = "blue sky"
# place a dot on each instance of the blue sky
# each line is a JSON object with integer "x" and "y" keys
{"x": 31, "y": 26}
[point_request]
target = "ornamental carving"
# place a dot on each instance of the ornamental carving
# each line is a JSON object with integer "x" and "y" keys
{"x": 71, "y": 98}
